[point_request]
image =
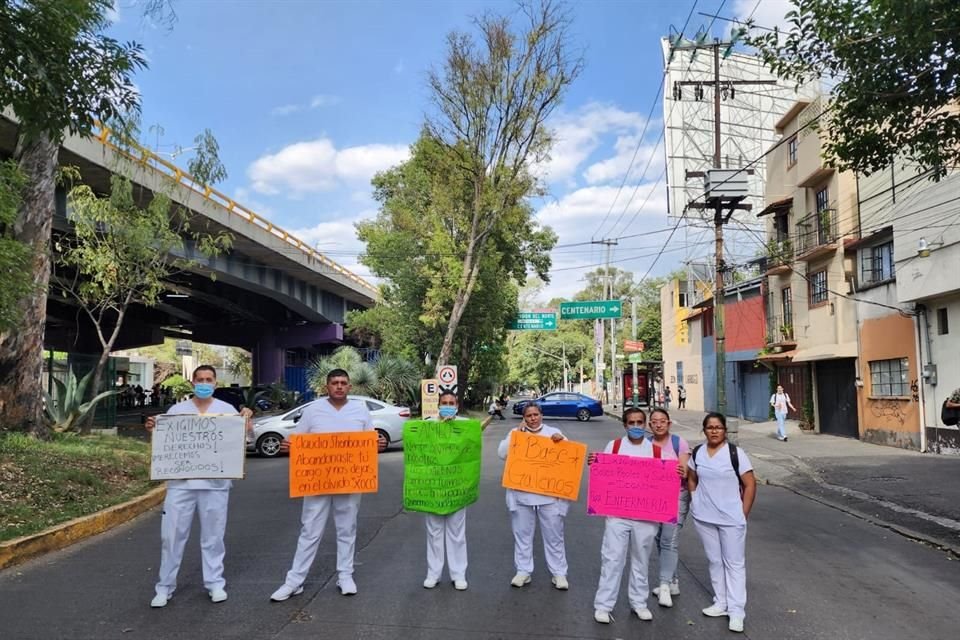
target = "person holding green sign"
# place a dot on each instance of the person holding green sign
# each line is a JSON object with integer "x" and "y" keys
{"x": 525, "y": 508}
{"x": 441, "y": 477}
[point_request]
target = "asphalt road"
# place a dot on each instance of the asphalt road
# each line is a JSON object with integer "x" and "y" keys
{"x": 813, "y": 572}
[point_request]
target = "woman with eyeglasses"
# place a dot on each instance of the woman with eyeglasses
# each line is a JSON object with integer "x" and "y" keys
{"x": 673, "y": 447}
{"x": 526, "y": 508}
{"x": 621, "y": 534}
{"x": 722, "y": 488}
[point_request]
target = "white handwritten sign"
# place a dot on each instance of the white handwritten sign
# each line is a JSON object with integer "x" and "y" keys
{"x": 198, "y": 447}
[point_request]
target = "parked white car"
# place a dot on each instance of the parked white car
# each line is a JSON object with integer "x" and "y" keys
{"x": 270, "y": 431}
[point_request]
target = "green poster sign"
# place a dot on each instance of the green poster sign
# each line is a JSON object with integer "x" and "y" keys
{"x": 441, "y": 465}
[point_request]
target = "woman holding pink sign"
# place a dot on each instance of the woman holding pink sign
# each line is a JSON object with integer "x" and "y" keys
{"x": 526, "y": 508}
{"x": 722, "y": 488}
{"x": 623, "y": 534}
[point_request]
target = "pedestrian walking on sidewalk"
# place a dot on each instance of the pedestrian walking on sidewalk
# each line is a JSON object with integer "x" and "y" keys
{"x": 526, "y": 508}
{"x": 666, "y": 398}
{"x": 209, "y": 498}
{"x": 447, "y": 532}
{"x": 332, "y": 414}
{"x": 722, "y": 489}
{"x": 780, "y": 401}
{"x": 681, "y": 397}
{"x": 673, "y": 447}
{"x": 621, "y": 535}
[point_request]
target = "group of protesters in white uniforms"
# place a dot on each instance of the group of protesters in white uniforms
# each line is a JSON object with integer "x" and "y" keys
{"x": 716, "y": 484}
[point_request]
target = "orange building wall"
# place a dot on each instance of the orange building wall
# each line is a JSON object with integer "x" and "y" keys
{"x": 745, "y": 323}
{"x": 889, "y": 421}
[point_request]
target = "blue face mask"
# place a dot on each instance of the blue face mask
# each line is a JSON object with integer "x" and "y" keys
{"x": 447, "y": 412}
{"x": 635, "y": 433}
{"x": 203, "y": 390}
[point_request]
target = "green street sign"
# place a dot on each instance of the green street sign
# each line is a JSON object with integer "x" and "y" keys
{"x": 590, "y": 309}
{"x": 635, "y": 357}
{"x": 534, "y": 321}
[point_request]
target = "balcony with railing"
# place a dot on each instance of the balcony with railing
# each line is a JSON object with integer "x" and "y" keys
{"x": 779, "y": 256}
{"x": 817, "y": 235}
{"x": 780, "y": 331}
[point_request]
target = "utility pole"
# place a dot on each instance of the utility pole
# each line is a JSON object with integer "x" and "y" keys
{"x": 608, "y": 294}
{"x": 723, "y": 189}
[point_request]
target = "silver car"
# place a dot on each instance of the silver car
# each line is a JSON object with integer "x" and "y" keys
{"x": 270, "y": 431}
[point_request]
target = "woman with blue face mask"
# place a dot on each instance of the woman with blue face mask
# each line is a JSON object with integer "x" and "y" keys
{"x": 447, "y": 532}
{"x": 623, "y": 534}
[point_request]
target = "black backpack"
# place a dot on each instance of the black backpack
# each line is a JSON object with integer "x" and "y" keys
{"x": 949, "y": 416}
{"x": 734, "y": 461}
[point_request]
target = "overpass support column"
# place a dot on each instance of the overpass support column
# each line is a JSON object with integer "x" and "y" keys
{"x": 270, "y": 351}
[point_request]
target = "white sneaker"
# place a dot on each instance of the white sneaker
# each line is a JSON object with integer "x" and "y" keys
{"x": 460, "y": 585}
{"x": 347, "y": 586}
{"x": 160, "y": 600}
{"x": 520, "y": 579}
{"x": 430, "y": 583}
{"x": 560, "y": 582}
{"x": 714, "y": 611}
{"x": 603, "y": 617}
{"x": 674, "y": 588}
{"x": 284, "y": 593}
{"x": 736, "y": 625}
{"x": 643, "y": 613}
{"x": 218, "y": 595}
{"x": 663, "y": 593}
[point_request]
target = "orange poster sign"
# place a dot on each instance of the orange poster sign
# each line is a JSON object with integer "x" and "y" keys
{"x": 537, "y": 464}
{"x": 325, "y": 463}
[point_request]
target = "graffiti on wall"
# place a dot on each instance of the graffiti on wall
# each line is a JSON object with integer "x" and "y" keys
{"x": 915, "y": 390}
{"x": 888, "y": 408}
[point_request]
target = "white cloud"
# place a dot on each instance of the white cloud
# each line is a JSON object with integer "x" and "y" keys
{"x": 577, "y": 135}
{"x": 613, "y": 169}
{"x": 316, "y": 102}
{"x": 317, "y": 165}
{"x": 337, "y": 239}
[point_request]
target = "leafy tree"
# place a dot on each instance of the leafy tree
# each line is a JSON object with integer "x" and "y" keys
{"x": 60, "y": 74}
{"x": 15, "y": 256}
{"x": 120, "y": 254}
{"x": 239, "y": 363}
{"x": 492, "y": 99}
{"x": 895, "y": 71}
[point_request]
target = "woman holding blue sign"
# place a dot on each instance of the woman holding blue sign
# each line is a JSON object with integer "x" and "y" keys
{"x": 525, "y": 508}
{"x": 722, "y": 488}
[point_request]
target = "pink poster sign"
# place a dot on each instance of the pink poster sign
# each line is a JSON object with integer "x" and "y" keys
{"x": 634, "y": 488}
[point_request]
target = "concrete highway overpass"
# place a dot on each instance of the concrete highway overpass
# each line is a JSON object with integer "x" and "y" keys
{"x": 272, "y": 293}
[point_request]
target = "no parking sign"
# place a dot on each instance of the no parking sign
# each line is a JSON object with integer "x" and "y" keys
{"x": 447, "y": 377}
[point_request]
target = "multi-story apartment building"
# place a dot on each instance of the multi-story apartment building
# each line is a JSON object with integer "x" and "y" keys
{"x": 811, "y": 213}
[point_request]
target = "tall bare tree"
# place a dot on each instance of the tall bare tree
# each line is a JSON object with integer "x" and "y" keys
{"x": 492, "y": 98}
{"x": 59, "y": 74}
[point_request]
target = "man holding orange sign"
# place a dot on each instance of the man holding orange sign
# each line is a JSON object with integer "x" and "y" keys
{"x": 338, "y": 474}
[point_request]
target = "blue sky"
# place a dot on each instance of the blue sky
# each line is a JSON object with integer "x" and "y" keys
{"x": 309, "y": 99}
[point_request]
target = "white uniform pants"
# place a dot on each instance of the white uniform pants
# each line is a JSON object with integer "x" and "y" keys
{"x": 524, "y": 523}
{"x": 725, "y": 548}
{"x": 620, "y": 534}
{"x": 178, "y": 510}
{"x": 450, "y": 531}
{"x": 313, "y": 519}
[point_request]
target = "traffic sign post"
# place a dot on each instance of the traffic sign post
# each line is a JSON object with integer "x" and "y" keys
{"x": 591, "y": 309}
{"x": 633, "y": 346}
{"x": 635, "y": 358}
{"x": 534, "y": 321}
{"x": 447, "y": 377}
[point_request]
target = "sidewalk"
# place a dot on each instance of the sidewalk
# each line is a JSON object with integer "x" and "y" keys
{"x": 914, "y": 494}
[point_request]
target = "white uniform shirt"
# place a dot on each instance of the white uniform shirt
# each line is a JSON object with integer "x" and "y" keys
{"x": 189, "y": 408}
{"x": 779, "y": 402}
{"x": 717, "y": 498}
{"x": 526, "y": 498}
{"x": 323, "y": 417}
{"x": 627, "y": 448}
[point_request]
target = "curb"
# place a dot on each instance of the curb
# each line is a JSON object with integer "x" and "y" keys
{"x": 21, "y": 549}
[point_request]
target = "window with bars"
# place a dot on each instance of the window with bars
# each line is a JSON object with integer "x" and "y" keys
{"x": 818, "y": 287}
{"x": 792, "y": 151}
{"x": 823, "y": 200}
{"x": 876, "y": 263}
{"x": 787, "y": 305}
{"x": 890, "y": 378}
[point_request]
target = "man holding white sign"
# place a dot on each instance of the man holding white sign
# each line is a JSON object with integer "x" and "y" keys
{"x": 208, "y": 497}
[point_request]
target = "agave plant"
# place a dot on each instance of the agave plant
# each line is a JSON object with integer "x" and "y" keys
{"x": 67, "y": 410}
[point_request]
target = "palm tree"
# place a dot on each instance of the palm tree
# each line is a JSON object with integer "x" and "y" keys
{"x": 398, "y": 380}
{"x": 391, "y": 378}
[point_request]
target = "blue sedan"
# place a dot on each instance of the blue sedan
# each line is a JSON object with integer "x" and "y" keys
{"x": 564, "y": 405}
